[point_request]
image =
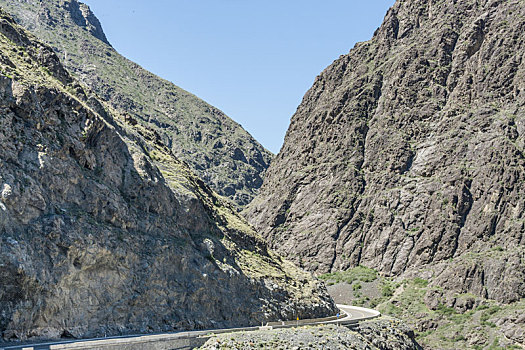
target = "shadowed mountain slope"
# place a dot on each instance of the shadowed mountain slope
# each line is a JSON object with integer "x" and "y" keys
{"x": 104, "y": 231}
{"x": 219, "y": 150}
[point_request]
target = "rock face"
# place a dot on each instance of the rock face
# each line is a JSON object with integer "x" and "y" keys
{"x": 104, "y": 231}
{"x": 409, "y": 151}
{"x": 219, "y": 150}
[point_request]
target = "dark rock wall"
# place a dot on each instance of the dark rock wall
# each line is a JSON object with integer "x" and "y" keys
{"x": 104, "y": 231}
{"x": 83, "y": 17}
{"x": 409, "y": 150}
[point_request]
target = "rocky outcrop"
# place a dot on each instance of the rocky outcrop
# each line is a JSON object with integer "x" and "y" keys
{"x": 383, "y": 334}
{"x": 408, "y": 151}
{"x": 104, "y": 231}
{"x": 219, "y": 150}
{"x": 494, "y": 274}
{"x": 513, "y": 326}
{"x": 83, "y": 17}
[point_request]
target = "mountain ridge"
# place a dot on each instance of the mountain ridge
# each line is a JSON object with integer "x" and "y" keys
{"x": 407, "y": 156}
{"x": 218, "y": 149}
{"x": 369, "y": 87}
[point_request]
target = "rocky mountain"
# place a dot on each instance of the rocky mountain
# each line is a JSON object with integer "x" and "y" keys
{"x": 406, "y": 155}
{"x": 219, "y": 150}
{"x": 103, "y": 230}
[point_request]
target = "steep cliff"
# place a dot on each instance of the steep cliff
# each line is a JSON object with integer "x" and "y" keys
{"x": 219, "y": 150}
{"x": 104, "y": 231}
{"x": 408, "y": 152}
{"x": 406, "y": 156}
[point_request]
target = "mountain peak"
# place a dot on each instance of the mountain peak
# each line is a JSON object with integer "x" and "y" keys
{"x": 85, "y": 18}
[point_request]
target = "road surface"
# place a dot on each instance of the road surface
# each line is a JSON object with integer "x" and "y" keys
{"x": 347, "y": 315}
{"x": 355, "y": 314}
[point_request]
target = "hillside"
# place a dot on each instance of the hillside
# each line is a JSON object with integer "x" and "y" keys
{"x": 219, "y": 150}
{"x": 103, "y": 231}
{"x": 406, "y": 156}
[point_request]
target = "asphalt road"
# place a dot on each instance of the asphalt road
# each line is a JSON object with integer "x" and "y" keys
{"x": 347, "y": 315}
{"x": 355, "y": 314}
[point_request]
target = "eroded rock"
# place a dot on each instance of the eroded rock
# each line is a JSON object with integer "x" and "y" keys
{"x": 408, "y": 152}
{"x": 101, "y": 226}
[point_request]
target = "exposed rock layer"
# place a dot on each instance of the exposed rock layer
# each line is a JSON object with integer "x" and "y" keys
{"x": 409, "y": 151}
{"x": 104, "y": 231}
{"x": 219, "y": 150}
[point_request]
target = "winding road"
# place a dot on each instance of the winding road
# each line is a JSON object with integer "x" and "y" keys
{"x": 348, "y": 315}
{"x": 355, "y": 314}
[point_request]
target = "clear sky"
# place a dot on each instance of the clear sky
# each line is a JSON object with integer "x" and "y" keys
{"x": 252, "y": 59}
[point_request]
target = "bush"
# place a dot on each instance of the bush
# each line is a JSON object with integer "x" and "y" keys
{"x": 444, "y": 310}
{"x": 386, "y": 290}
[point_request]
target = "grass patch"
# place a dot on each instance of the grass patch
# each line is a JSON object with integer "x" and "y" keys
{"x": 356, "y": 274}
{"x": 486, "y": 314}
{"x": 445, "y": 311}
{"x": 388, "y": 287}
{"x": 420, "y": 282}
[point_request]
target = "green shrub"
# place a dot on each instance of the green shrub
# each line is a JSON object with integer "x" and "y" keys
{"x": 495, "y": 345}
{"x": 387, "y": 290}
{"x": 446, "y": 311}
{"x": 482, "y": 307}
{"x": 489, "y": 312}
{"x": 391, "y": 309}
{"x": 420, "y": 282}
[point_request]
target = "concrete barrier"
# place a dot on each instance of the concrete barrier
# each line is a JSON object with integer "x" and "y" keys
{"x": 154, "y": 342}
{"x": 303, "y": 322}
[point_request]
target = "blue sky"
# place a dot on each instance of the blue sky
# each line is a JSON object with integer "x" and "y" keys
{"x": 252, "y": 59}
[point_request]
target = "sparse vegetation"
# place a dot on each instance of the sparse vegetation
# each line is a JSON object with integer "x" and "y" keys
{"x": 153, "y": 103}
{"x": 451, "y": 328}
{"x": 359, "y": 273}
